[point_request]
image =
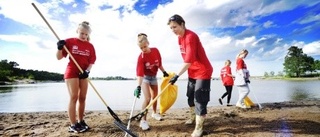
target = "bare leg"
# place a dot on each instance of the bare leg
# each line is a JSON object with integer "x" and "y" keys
{"x": 73, "y": 88}
{"x": 154, "y": 93}
{"x": 147, "y": 96}
{"x": 82, "y": 98}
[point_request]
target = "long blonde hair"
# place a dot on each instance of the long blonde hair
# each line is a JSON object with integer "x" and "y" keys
{"x": 85, "y": 25}
{"x": 244, "y": 51}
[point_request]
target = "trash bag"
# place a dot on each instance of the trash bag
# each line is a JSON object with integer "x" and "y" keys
{"x": 248, "y": 102}
{"x": 169, "y": 95}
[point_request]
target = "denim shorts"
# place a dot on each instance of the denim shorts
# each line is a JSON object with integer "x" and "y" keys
{"x": 152, "y": 80}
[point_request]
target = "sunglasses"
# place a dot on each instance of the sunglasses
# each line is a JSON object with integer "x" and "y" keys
{"x": 176, "y": 18}
{"x": 142, "y": 34}
{"x": 173, "y": 18}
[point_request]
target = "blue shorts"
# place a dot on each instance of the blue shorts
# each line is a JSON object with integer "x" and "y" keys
{"x": 152, "y": 80}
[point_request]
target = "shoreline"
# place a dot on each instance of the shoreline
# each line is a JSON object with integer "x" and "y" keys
{"x": 301, "y": 118}
{"x": 270, "y": 104}
{"x": 30, "y": 81}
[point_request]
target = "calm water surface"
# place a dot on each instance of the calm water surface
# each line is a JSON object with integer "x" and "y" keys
{"x": 119, "y": 94}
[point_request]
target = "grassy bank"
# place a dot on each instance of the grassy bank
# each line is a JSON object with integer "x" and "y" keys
{"x": 293, "y": 79}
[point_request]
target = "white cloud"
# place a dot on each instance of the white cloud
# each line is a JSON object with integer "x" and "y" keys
{"x": 114, "y": 33}
{"x": 268, "y": 24}
{"x": 312, "y": 48}
{"x": 246, "y": 42}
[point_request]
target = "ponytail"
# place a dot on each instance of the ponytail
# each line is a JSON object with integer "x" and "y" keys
{"x": 244, "y": 51}
{"x": 85, "y": 25}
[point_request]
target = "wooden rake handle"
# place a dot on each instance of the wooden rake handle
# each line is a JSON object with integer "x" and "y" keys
{"x": 156, "y": 98}
{"x": 70, "y": 55}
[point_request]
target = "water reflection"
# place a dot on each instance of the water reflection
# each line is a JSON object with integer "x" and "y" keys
{"x": 6, "y": 89}
{"x": 300, "y": 91}
{"x": 299, "y": 94}
{"x": 54, "y": 96}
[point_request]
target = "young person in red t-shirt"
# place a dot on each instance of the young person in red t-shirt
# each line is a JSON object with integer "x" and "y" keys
{"x": 199, "y": 72}
{"x": 227, "y": 80}
{"x": 149, "y": 61}
{"x": 84, "y": 54}
{"x": 242, "y": 78}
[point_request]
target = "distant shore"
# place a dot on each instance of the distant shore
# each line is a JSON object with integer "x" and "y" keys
{"x": 30, "y": 81}
{"x": 24, "y": 81}
{"x": 293, "y": 79}
{"x": 281, "y": 78}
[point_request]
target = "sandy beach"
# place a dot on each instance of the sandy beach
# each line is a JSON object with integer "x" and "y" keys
{"x": 283, "y": 119}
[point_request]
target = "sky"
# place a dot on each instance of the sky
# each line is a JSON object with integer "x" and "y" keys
{"x": 266, "y": 28}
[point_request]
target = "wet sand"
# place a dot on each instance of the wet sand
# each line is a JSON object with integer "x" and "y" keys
{"x": 283, "y": 119}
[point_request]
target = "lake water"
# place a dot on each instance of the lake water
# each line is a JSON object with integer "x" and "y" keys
{"x": 119, "y": 94}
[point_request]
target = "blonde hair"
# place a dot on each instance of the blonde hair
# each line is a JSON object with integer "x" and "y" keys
{"x": 142, "y": 38}
{"x": 244, "y": 51}
{"x": 85, "y": 25}
{"x": 228, "y": 62}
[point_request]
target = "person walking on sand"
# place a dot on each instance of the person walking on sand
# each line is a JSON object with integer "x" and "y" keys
{"x": 149, "y": 61}
{"x": 242, "y": 78}
{"x": 84, "y": 54}
{"x": 227, "y": 81}
{"x": 199, "y": 72}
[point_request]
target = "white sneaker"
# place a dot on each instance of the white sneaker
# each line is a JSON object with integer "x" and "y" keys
{"x": 156, "y": 116}
{"x": 241, "y": 105}
{"x": 144, "y": 125}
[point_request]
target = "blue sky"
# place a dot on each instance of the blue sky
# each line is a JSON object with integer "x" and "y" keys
{"x": 266, "y": 28}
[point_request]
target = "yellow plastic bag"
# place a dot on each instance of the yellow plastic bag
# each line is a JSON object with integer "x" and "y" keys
{"x": 248, "y": 102}
{"x": 169, "y": 95}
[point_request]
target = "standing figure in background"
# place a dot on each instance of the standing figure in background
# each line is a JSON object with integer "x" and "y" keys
{"x": 84, "y": 54}
{"x": 227, "y": 80}
{"x": 199, "y": 72}
{"x": 242, "y": 78}
{"x": 149, "y": 61}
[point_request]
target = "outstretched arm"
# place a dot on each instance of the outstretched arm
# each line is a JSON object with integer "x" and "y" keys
{"x": 184, "y": 68}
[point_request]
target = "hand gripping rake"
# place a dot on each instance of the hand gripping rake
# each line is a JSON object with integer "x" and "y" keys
{"x": 145, "y": 111}
{"x": 117, "y": 121}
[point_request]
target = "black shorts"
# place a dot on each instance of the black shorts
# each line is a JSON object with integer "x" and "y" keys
{"x": 198, "y": 93}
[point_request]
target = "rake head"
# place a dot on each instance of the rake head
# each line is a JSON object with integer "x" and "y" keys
{"x": 139, "y": 115}
{"x": 123, "y": 127}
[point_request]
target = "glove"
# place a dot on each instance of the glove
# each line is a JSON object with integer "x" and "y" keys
{"x": 137, "y": 92}
{"x": 60, "y": 44}
{"x": 247, "y": 80}
{"x": 165, "y": 74}
{"x": 84, "y": 75}
{"x": 173, "y": 79}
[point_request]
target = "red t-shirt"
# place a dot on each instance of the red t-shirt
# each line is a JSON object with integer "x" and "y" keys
{"x": 83, "y": 52}
{"x": 192, "y": 52}
{"x": 227, "y": 80}
{"x": 149, "y": 63}
{"x": 240, "y": 64}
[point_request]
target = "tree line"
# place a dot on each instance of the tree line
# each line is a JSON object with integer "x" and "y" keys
{"x": 9, "y": 71}
{"x": 298, "y": 64}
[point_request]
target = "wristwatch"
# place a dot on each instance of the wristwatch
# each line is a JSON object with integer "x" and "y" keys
{"x": 88, "y": 71}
